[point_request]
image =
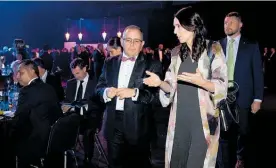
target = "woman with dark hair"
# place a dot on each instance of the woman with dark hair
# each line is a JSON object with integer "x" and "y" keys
{"x": 193, "y": 129}
{"x": 114, "y": 47}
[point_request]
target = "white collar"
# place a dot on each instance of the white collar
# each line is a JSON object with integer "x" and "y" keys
{"x": 86, "y": 78}
{"x": 32, "y": 80}
{"x": 237, "y": 39}
{"x": 44, "y": 76}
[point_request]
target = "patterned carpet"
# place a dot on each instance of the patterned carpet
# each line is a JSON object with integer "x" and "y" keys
{"x": 263, "y": 128}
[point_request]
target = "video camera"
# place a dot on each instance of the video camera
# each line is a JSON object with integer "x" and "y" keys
{"x": 19, "y": 44}
{"x": 20, "y": 48}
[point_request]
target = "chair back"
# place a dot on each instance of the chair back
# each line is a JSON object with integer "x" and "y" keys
{"x": 64, "y": 133}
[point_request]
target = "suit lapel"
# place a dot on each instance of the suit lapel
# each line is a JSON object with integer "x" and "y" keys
{"x": 74, "y": 89}
{"x": 223, "y": 45}
{"x": 138, "y": 68}
{"x": 90, "y": 88}
{"x": 116, "y": 70}
{"x": 241, "y": 48}
{"x": 47, "y": 79}
{"x": 87, "y": 89}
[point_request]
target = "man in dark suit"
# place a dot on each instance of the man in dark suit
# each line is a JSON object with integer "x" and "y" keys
{"x": 37, "y": 110}
{"x": 83, "y": 87}
{"x": 265, "y": 58}
{"x": 245, "y": 68}
{"x": 128, "y": 102}
{"x": 159, "y": 53}
{"x": 98, "y": 59}
{"x": 62, "y": 62}
{"x": 47, "y": 58}
{"x": 271, "y": 69}
{"x": 49, "y": 78}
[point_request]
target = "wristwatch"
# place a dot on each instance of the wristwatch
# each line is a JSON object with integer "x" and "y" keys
{"x": 135, "y": 92}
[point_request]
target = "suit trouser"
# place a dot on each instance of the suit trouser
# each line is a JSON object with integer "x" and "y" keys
{"x": 88, "y": 129}
{"x": 122, "y": 154}
{"x": 54, "y": 160}
{"x": 235, "y": 143}
{"x": 88, "y": 143}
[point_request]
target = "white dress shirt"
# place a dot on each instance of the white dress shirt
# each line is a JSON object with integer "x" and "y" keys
{"x": 271, "y": 55}
{"x": 44, "y": 76}
{"x": 125, "y": 72}
{"x": 236, "y": 47}
{"x": 160, "y": 52}
{"x": 84, "y": 84}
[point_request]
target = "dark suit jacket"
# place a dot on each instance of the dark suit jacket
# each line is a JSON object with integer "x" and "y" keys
{"x": 48, "y": 61}
{"x": 37, "y": 110}
{"x": 55, "y": 82}
{"x": 271, "y": 62}
{"x": 156, "y": 54}
{"x": 95, "y": 107}
{"x": 248, "y": 72}
{"x": 136, "y": 113}
{"x": 98, "y": 63}
{"x": 63, "y": 62}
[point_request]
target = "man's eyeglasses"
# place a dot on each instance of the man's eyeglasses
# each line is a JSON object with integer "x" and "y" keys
{"x": 129, "y": 41}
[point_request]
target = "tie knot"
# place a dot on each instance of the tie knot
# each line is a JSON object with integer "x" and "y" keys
{"x": 128, "y": 59}
{"x": 81, "y": 81}
{"x": 232, "y": 41}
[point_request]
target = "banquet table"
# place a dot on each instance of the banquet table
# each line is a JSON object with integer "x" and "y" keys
{"x": 7, "y": 156}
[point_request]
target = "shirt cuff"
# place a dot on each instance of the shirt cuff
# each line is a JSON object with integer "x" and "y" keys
{"x": 257, "y": 100}
{"x": 86, "y": 107}
{"x": 106, "y": 99}
{"x": 135, "y": 98}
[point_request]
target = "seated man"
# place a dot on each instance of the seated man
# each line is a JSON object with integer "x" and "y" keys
{"x": 79, "y": 88}
{"x": 49, "y": 78}
{"x": 14, "y": 67}
{"x": 36, "y": 111}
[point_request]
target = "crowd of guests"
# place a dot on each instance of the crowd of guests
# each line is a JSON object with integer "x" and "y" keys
{"x": 53, "y": 67}
{"x": 269, "y": 67}
{"x": 126, "y": 81}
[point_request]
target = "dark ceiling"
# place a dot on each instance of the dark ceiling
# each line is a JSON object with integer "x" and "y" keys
{"x": 86, "y": 9}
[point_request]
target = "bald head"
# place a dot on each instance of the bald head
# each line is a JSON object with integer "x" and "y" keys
{"x": 133, "y": 27}
{"x": 28, "y": 70}
{"x": 132, "y": 41}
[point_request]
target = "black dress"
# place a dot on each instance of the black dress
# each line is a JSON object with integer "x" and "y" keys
{"x": 189, "y": 145}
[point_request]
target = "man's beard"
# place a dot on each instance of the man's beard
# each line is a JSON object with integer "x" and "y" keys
{"x": 231, "y": 33}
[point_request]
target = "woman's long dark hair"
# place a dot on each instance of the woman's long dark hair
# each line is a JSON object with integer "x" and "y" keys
{"x": 114, "y": 42}
{"x": 191, "y": 21}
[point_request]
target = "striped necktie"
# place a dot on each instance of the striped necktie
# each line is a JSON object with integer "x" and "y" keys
{"x": 230, "y": 62}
